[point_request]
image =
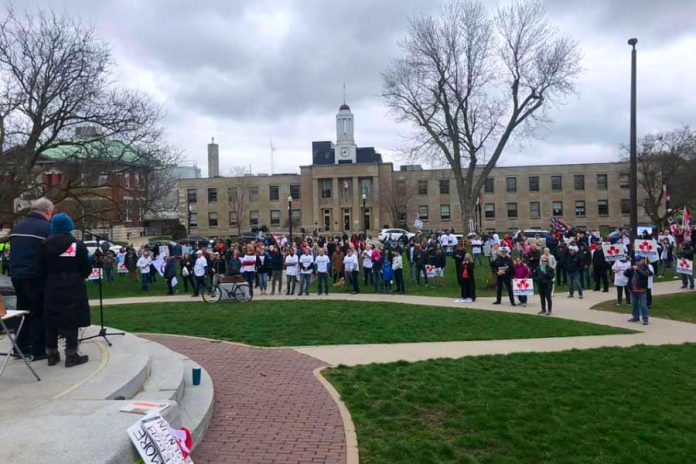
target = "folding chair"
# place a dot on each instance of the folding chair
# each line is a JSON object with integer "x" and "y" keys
{"x": 13, "y": 339}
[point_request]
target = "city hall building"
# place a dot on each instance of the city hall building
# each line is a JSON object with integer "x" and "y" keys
{"x": 350, "y": 189}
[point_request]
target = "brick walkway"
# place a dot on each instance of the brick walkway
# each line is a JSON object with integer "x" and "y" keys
{"x": 269, "y": 407}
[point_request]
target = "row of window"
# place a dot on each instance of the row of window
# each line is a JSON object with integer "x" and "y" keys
{"x": 254, "y": 218}
{"x": 556, "y": 183}
{"x": 556, "y": 209}
{"x": 345, "y": 187}
{"x": 233, "y": 194}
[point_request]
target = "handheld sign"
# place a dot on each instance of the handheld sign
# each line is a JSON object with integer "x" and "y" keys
{"x": 418, "y": 224}
{"x": 429, "y": 270}
{"x": 157, "y": 442}
{"x": 613, "y": 252}
{"x": 96, "y": 274}
{"x": 647, "y": 248}
{"x": 685, "y": 266}
{"x": 522, "y": 287}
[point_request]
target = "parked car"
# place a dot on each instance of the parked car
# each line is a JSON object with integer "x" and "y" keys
{"x": 394, "y": 235}
{"x": 92, "y": 246}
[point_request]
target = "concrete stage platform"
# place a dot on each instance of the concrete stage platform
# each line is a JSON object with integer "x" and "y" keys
{"x": 72, "y": 415}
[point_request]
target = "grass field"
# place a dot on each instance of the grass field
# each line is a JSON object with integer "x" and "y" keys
{"x": 679, "y": 306}
{"x": 632, "y": 405}
{"x": 297, "y": 322}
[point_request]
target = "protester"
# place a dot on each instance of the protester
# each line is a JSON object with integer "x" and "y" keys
{"x": 503, "y": 269}
{"x": 27, "y": 279}
{"x": 666, "y": 256}
{"x": 687, "y": 252}
{"x": 322, "y": 263}
{"x": 439, "y": 262}
{"x": 521, "y": 271}
{"x": 467, "y": 281}
{"x": 477, "y": 249}
{"x": 337, "y": 264}
{"x": 367, "y": 265}
{"x": 291, "y": 267}
{"x": 419, "y": 256}
{"x": 132, "y": 264}
{"x": 144, "y": 264}
{"x": 234, "y": 264}
{"x": 387, "y": 274}
{"x": 306, "y": 269}
{"x": 249, "y": 264}
{"x": 276, "y": 258}
{"x": 621, "y": 281}
{"x": 108, "y": 264}
{"x": 64, "y": 263}
{"x": 638, "y": 282}
{"x": 264, "y": 269}
{"x": 574, "y": 267}
{"x": 199, "y": 271}
{"x": 377, "y": 267}
{"x": 398, "y": 268}
{"x": 543, "y": 276}
{"x": 350, "y": 266}
{"x": 170, "y": 273}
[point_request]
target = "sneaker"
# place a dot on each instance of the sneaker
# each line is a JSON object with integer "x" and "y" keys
{"x": 468, "y": 300}
{"x": 634, "y": 319}
{"x": 645, "y": 322}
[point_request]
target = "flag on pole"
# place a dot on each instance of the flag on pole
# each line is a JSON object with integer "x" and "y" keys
{"x": 686, "y": 224}
{"x": 665, "y": 196}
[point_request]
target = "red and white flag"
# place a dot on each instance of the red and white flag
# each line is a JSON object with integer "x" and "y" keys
{"x": 686, "y": 224}
{"x": 665, "y": 195}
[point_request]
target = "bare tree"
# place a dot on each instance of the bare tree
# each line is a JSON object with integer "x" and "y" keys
{"x": 394, "y": 201}
{"x": 60, "y": 109}
{"x": 667, "y": 159}
{"x": 468, "y": 80}
{"x": 238, "y": 195}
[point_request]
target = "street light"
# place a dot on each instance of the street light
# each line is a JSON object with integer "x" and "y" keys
{"x": 364, "y": 199}
{"x": 290, "y": 216}
{"x": 633, "y": 159}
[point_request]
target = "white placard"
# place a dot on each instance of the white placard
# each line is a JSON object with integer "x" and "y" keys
{"x": 418, "y": 224}
{"x": 685, "y": 266}
{"x": 522, "y": 287}
{"x": 613, "y": 252}
{"x": 96, "y": 274}
{"x": 163, "y": 250}
{"x": 122, "y": 269}
{"x": 155, "y": 443}
{"x": 647, "y": 248}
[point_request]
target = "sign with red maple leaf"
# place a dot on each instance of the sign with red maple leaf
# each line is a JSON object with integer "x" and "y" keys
{"x": 524, "y": 287}
{"x": 647, "y": 248}
{"x": 613, "y": 252}
{"x": 685, "y": 266}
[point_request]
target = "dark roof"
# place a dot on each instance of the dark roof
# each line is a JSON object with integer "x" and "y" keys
{"x": 322, "y": 153}
{"x": 367, "y": 155}
{"x": 344, "y": 107}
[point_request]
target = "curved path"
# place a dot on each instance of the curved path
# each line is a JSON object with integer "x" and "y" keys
{"x": 270, "y": 408}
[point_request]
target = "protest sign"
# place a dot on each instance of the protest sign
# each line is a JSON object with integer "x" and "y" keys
{"x": 522, "y": 287}
{"x": 429, "y": 270}
{"x": 685, "y": 266}
{"x": 613, "y": 252}
{"x": 122, "y": 269}
{"x": 158, "y": 443}
{"x": 647, "y": 248}
{"x": 96, "y": 274}
{"x": 163, "y": 250}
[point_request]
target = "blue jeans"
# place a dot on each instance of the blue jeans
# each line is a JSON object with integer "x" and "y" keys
{"x": 263, "y": 281}
{"x": 323, "y": 283}
{"x": 250, "y": 277}
{"x": 639, "y": 305}
{"x": 377, "y": 282}
{"x": 145, "y": 280}
{"x": 109, "y": 274}
{"x": 575, "y": 278}
{"x": 304, "y": 283}
{"x": 198, "y": 284}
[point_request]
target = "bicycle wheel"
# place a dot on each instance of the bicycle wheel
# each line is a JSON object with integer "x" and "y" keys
{"x": 213, "y": 296}
{"x": 240, "y": 295}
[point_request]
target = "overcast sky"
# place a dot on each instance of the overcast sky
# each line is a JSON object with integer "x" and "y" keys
{"x": 246, "y": 71}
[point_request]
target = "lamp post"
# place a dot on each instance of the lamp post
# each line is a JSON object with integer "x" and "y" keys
{"x": 633, "y": 160}
{"x": 364, "y": 199}
{"x": 290, "y": 217}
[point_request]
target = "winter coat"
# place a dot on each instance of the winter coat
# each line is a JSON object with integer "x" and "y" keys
{"x": 65, "y": 265}
{"x": 387, "y": 273}
{"x": 170, "y": 268}
{"x": 544, "y": 278}
{"x": 641, "y": 283}
{"x": 573, "y": 262}
{"x": 599, "y": 262}
{"x": 500, "y": 262}
{"x": 25, "y": 239}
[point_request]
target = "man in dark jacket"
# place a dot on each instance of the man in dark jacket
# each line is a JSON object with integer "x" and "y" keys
{"x": 543, "y": 276}
{"x": 65, "y": 265}
{"x": 599, "y": 268}
{"x": 502, "y": 267}
{"x": 25, "y": 240}
{"x": 574, "y": 264}
{"x": 638, "y": 283}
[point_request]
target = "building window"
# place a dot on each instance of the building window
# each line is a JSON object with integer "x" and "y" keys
{"x": 191, "y": 196}
{"x": 234, "y": 218}
{"x": 601, "y": 181}
{"x": 233, "y": 193}
{"x": 624, "y": 180}
{"x": 512, "y": 210}
{"x": 325, "y": 187}
{"x": 254, "y": 220}
{"x": 603, "y": 207}
{"x": 273, "y": 193}
{"x": 193, "y": 219}
{"x": 580, "y": 208}
{"x": 422, "y": 187}
{"x": 444, "y": 187}
{"x": 401, "y": 214}
{"x": 400, "y": 187}
{"x": 445, "y": 212}
{"x": 212, "y": 195}
{"x": 533, "y": 183}
{"x": 511, "y": 184}
{"x": 579, "y": 181}
{"x": 275, "y": 217}
{"x": 489, "y": 185}
{"x": 103, "y": 180}
{"x": 296, "y": 217}
{"x": 557, "y": 208}
{"x": 126, "y": 180}
{"x": 366, "y": 186}
{"x": 625, "y": 206}
{"x": 253, "y": 194}
{"x": 489, "y": 210}
{"x": 212, "y": 220}
{"x": 556, "y": 183}
{"x": 535, "y": 210}
{"x": 295, "y": 191}
{"x": 423, "y": 212}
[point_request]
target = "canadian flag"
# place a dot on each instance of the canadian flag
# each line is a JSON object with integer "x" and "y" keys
{"x": 665, "y": 196}
{"x": 345, "y": 185}
{"x": 523, "y": 284}
{"x": 70, "y": 252}
{"x": 686, "y": 223}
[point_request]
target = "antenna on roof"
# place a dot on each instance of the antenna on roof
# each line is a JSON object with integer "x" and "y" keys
{"x": 212, "y": 139}
{"x": 344, "y": 93}
{"x": 272, "y": 153}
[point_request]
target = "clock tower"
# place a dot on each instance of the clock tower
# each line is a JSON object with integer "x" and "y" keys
{"x": 345, "y": 143}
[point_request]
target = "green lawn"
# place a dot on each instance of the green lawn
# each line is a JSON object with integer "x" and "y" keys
{"x": 678, "y": 306}
{"x": 297, "y": 322}
{"x": 632, "y": 405}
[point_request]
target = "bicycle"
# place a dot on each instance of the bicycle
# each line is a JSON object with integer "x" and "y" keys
{"x": 236, "y": 292}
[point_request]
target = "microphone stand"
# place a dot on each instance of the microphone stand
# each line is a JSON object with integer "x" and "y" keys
{"x": 103, "y": 333}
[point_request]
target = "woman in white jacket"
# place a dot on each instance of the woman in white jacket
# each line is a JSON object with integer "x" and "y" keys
{"x": 620, "y": 280}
